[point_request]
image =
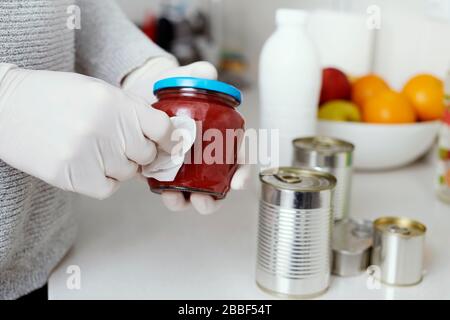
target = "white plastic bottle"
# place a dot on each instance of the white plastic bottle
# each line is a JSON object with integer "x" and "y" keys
{"x": 289, "y": 81}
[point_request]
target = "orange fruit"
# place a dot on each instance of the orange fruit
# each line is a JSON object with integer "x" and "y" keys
{"x": 426, "y": 94}
{"x": 367, "y": 87}
{"x": 388, "y": 107}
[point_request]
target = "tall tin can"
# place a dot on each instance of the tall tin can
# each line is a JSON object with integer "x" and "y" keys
{"x": 333, "y": 156}
{"x": 398, "y": 250}
{"x": 294, "y": 232}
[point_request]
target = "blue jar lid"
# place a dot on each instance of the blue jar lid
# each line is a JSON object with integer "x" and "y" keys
{"x": 198, "y": 83}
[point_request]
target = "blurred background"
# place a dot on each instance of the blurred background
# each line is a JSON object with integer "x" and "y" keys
{"x": 394, "y": 54}
{"x": 370, "y": 72}
{"x": 231, "y": 33}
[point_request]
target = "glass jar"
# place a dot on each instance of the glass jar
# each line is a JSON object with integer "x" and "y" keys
{"x": 443, "y": 168}
{"x": 208, "y": 168}
{"x": 443, "y": 162}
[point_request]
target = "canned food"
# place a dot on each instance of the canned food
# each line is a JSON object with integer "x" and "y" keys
{"x": 398, "y": 250}
{"x": 333, "y": 156}
{"x": 295, "y": 221}
{"x": 351, "y": 245}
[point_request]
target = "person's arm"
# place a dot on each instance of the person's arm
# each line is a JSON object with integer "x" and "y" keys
{"x": 111, "y": 47}
{"x": 108, "y": 45}
{"x": 74, "y": 132}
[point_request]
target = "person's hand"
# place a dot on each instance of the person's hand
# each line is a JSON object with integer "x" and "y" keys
{"x": 140, "y": 83}
{"x": 75, "y": 132}
{"x": 204, "y": 204}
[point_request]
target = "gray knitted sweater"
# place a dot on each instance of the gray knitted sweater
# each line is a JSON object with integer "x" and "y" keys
{"x": 36, "y": 227}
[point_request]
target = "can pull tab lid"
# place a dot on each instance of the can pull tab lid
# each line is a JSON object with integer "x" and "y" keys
{"x": 399, "y": 230}
{"x": 288, "y": 178}
{"x": 361, "y": 232}
{"x": 322, "y": 143}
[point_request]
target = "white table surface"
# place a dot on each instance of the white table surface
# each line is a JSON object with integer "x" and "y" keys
{"x": 131, "y": 247}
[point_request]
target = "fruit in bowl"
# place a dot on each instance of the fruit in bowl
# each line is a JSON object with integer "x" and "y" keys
{"x": 388, "y": 107}
{"x": 335, "y": 86}
{"x": 425, "y": 93}
{"x": 367, "y": 87}
{"x": 389, "y": 129}
{"x": 340, "y": 110}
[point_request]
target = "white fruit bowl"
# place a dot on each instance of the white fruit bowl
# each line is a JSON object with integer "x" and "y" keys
{"x": 383, "y": 146}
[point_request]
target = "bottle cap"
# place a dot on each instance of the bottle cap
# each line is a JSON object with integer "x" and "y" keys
{"x": 198, "y": 83}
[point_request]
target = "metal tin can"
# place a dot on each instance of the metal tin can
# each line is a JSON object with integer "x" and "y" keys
{"x": 398, "y": 250}
{"x": 333, "y": 156}
{"x": 295, "y": 221}
{"x": 351, "y": 245}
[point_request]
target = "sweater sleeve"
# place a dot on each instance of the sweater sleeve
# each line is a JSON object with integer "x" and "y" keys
{"x": 109, "y": 46}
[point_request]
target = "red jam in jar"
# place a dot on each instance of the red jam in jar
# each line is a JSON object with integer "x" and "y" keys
{"x": 212, "y": 104}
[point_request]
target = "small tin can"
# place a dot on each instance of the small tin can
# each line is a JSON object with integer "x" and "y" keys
{"x": 351, "y": 245}
{"x": 294, "y": 232}
{"x": 398, "y": 250}
{"x": 333, "y": 156}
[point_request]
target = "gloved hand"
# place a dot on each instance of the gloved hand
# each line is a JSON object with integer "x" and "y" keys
{"x": 140, "y": 82}
{"x": 205, "y": 204}
{"x": 76, "y": 132}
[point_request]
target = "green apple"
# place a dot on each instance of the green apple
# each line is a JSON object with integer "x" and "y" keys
{"x": 339, "y": 110}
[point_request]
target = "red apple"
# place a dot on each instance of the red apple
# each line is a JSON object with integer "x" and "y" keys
{"x": 335, "y": 86}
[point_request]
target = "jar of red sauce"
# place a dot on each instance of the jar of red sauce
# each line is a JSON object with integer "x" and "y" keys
{"x": 212, "y": 104}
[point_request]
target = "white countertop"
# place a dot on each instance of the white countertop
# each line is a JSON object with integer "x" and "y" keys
{"x": 131, "y": 247}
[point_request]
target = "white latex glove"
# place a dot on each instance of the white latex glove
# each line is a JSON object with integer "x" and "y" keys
{"x": 140, "y": 83}
{"x": 75, "y": 132}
